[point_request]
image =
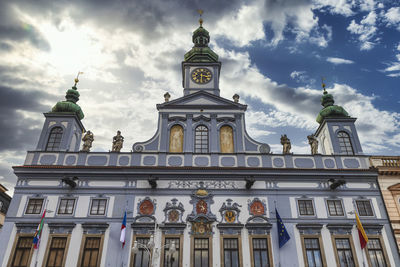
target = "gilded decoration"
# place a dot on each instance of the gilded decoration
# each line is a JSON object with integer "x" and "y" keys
{"x": 176, "y": 139}
{"x": 226, "y": 139}
{"x": 201, "y": 216}
{"x": 202, "y": 228}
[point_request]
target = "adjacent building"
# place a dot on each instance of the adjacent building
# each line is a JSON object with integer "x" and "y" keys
{"x": 5, "y": 200}
{"x": 201, "y": 192}
{"x": 389, "y": 181}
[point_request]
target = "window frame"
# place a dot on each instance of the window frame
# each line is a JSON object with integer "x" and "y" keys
{"x": 383, "y": 247}
{"x": 73, "y": 208}
{"x": 239, "y": 239}
{"x": 201, "y": 144}
{"x": 341, "y": 203}
{"x": 370, "y": 204}
{"x": 48, "y": 139}
{"x": 339, "y": 143}
{"x": 105, "y": 210}
{"x": 313, "y": 206}
{"x": 352, "y": 248}
{"x": 164, "y": 236}
{"x": 269, "y": 247}
{"x": 14, "y": 248}
{"x": 210, "y": 249}
{"x": 27, "y": 205}
{"x": 50, "y": 239}
{"x": 321, "y": 248}
{"x": 82, "y": 248}
{"x": 132, "y": 257}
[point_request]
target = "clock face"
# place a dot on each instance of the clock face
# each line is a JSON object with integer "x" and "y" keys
{"x": 201, "y": 75}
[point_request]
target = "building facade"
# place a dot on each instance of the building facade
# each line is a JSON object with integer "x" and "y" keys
{"x": 389, "y": 181}
{"x": 4, "y": 203}
{"x": 201, "y": 192}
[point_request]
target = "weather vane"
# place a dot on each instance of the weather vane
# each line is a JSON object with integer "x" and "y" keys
{"x": 200, "y": 11}
{"x": 323, "y": 84}
{"x": 77, "y": 76}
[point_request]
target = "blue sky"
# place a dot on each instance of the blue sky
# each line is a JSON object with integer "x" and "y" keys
{"x": 273, "y": 54}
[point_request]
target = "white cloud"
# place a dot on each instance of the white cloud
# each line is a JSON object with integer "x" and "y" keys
{"x": 341, "y": 7}
{"x": 242, "y": 26}
{"x": 392, "y": 17}
{"x": 393, "y": 68}
{"x": 338, "y": 60}
{"x": 366, "y": 30}
{"x": 367, "y": 5}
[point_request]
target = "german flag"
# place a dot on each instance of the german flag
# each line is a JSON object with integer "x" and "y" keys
{"x": 361, "y": 233}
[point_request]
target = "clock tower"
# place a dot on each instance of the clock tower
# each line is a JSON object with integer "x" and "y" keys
{"x": 201, "y": 68}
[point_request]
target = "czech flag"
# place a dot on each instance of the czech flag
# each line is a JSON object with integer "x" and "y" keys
{"x": 38, "y": 233}
{"x": 123, "y": 231}
{"x": 361, "y": 233}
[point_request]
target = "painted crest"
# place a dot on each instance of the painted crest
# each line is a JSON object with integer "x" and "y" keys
{"x": 257, "y": 208}
{"x": 230, "y": 212}
{"x": 146, "y": 207}
{"x": 201, "y": 207}
{"x": 173, "y": 211}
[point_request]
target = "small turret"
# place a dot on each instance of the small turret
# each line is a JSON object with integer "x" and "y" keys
{"x": 330, "y": 110}
{"x": 336, "y": 133}
{"x": 70, "y": 106}
{"x": 200, "y": 51}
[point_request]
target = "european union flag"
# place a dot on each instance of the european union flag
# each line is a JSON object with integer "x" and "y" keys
{"x": 282, "y": 233}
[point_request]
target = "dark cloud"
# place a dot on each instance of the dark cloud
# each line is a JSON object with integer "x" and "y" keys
{"x": 17, "y": 130}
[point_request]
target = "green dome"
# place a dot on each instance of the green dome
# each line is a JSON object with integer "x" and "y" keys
{"x": 200, "y": 51}
{"x": 69, "y": 106}
{"x": 330, "y": 110}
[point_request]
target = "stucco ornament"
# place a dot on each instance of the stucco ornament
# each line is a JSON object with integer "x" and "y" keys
{"x": 118, "y": 142}
{"x": 312, "y": 140}
{"x": 285, "y": 141}
{"x": 87, "y": 139}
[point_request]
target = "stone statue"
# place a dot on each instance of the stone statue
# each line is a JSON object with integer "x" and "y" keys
{"x": 87, "y": 139}
{"x": 118, "y": 141}
{"x": 286, "y": 144}
{"x": 312, "y": 140}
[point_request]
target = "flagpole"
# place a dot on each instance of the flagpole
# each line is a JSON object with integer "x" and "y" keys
{"x": 37, "y": 250}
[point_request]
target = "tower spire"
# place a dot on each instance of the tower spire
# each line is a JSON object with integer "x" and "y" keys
{"x": 200, "y": 11}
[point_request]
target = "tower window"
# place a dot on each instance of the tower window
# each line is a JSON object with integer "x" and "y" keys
{"x": 54, "y": 139}
{"x": 201, "y": 139}
{"x": 345, "y": 143}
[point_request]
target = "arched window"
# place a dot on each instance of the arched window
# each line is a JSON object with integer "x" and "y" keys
{"x": 226, "y": 139}
{"x": 54, "y": 139}
{"x": 176, "y": 139}
{"x": 201, "y": 139}
{"x": 345, "y": 143}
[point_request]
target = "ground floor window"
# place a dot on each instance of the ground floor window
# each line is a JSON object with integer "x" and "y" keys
{"x": 312, "y": 250}
{"x": 142, "y": 256}
{"x": 22, "y": 252}
{"x": 56, "y": 251}
{"x": 172, "y": 260}
{"x": 231, "y": 252}
{"x": 344, "y": 252}
{"x": 91, "y": 252}
{"x": 201, "y": 252}
{"x": 260, "y": 252}
{"x": 376, "y": 253}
